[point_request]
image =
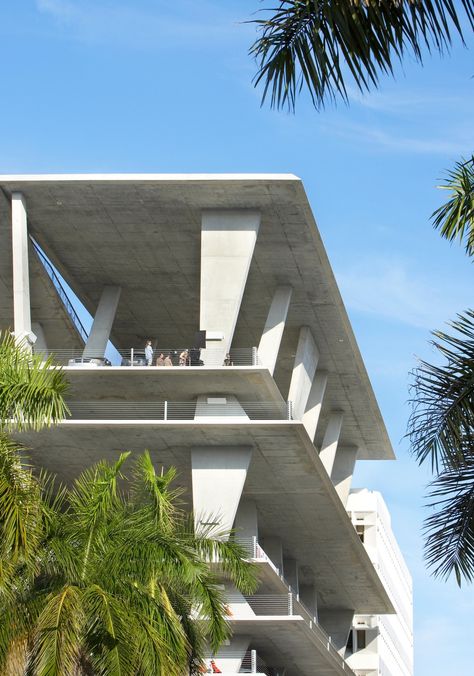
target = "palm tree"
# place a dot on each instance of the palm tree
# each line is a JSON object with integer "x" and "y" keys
{"x": 455, "y": 218}
{"x": 123, "y": 583}
{"x": 31, "y": 396}
{"x": 321, "y": 44}
{"x": 441, "y": 430}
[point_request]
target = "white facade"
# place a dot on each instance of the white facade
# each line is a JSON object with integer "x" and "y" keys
{"x": 382, "y": 645}
{"x": 264, "y": 420}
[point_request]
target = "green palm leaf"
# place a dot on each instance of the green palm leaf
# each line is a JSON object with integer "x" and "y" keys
{"x": 319, "y": 44}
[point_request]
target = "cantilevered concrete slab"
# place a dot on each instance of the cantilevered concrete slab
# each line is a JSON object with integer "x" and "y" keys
{"x": 142, "y": 232}
{"x": 295, "y": 498}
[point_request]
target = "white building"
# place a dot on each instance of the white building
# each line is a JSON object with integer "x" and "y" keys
{"x": 381, "y": 644}
{"x": 271, "y": 410}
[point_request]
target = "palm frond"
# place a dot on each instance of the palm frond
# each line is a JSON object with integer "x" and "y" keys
{"x": 31, "y": 389}
{"x": 320, "y": 44}
{"x": 449, "y": 531}
{"x": 56, "y": 645}
{"x": 441, "y": 425}
{"x": 455, "y": 219}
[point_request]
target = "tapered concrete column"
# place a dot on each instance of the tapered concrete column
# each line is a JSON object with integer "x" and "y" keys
{"x": 219, "y": 409}
{"x": 274, "y": 326}
{"x": 218, "y": 477}
{"x": 21, "y": 273}
{"x": 40, "y": 343}
{"x": 342, "y": 471}
{"x": 331, "y": 440}
{"x": 227, "y": 243}
{"x": 104, "y": 318}
{"x": 315, "y": 403}
{"x": 290, "y": 573}
{"x": 246, "y": 521}
{"x": 309, "y": 597}
{"x": 229, "y": 657}
{"x": 274, "y": 550}
{"x": 306, "y": 361}
{"x": 337, "y": 623}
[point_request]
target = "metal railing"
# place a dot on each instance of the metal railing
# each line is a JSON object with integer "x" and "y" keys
{"x": 68, "y": 306}
{"x": 179, "y": 411}
{"x": 253, "y": 664}
{"x": 133, "y": 357}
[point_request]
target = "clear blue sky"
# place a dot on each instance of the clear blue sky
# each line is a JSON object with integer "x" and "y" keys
{"x": 149, "y": 85}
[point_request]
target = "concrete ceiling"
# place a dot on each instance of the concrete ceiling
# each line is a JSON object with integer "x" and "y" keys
{"x": 142, "y": 232}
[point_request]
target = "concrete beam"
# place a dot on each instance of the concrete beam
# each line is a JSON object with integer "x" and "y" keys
{"x": 246, "y": 521}
{"x": 315, "y": 403}
{"x": 274, "y": 327}
{"x": 21, "y": 273}
{"x": 273, "y": 548}
{"x": 337, "y": 624}
{"x": 331, "y": 440}
{"x": 290, "y": 573}
{"x": 228, "y": 240}
{"x": 218, "y": 477}
{"x": 304, "y": 367}
{"x": 40, "y": 343}
{"x": 342, "y": 471}
{"x": 103, "y": 321}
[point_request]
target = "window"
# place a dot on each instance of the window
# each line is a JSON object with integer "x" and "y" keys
{"x": 361, "y": 639}
{"x": 360, "y": 530}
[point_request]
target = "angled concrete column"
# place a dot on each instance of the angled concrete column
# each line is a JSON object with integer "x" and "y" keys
{"x": 246, "y": 521}
{"x": 342, "y": 471}
{"x": 306, "y": 361}
{"x": 337, "y": 623}
{"x": 309, "y": 597}
{"x": 227, "y": 243}
{"x": 274, "y": 550}
{"x": 219, "y": 409}
{"x": 315, "y": 403}
{"x": 331, "y": 440}
{"x": 290, "y": 573}
{"x": 21, "y": 273}
{"x": 229, "y": 657}
{"x": 274, "y": 326}
{"x": 40, "y": 344}
{"x": 102, "y": 325}
{"x": 218, "y": 477}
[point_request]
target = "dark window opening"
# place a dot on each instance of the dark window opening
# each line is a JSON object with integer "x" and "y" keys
{"x": 361, "y": 639}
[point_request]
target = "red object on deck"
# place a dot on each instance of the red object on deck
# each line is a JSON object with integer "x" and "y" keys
{"x": 215, "y": 668}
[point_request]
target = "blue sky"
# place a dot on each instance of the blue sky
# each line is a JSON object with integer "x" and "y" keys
{"x": 148, "y": 85}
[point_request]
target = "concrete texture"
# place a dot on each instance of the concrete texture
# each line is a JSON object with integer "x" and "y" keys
{"x": 270, "y": 341}
{"x": 21, "y": 272}
{"x": 304, "y": 368}
{"x": 315, "y": 403}
{"x": 331, "y": 440}
{"x": 143, "y": 232}
{"x": 104, "y": 316}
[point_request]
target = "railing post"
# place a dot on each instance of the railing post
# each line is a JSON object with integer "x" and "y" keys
{"x": 254, "y": 356}
{"x": 253, "y": 661}
{"x": 289, "y": 411}
{"x": 165, "y": 410}
{"x": 290, "y": 603}
{"x": 131, "y": 356}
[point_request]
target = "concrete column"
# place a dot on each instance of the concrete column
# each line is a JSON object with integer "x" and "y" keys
{"x": 309, "y": 597}
{"x": 274, "y": 326}
{"x": 227, "y": 243}
{"x": 342, "y": 471}
{"x": 102, "y": 325}
{"x": 219, "y": 409}
{"x": 246, "y": 521}
{"x": 337, "y": 623}
{"x": 273, "y": 549}
{"x": 330, "y": 441}
{"x": 21, "y": 273}
{"x": 290, "y": 573}
{"x": 218, "y": 477}
{"x": 40, "y": 343}
{"x": 306, "y": 361}
{"x": 315, "y": 403}
{"x": 229, "y": 657}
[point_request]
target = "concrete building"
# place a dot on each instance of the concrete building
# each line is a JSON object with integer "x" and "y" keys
{"x": 270, "y": 408}
{"x": 381, "y": 644}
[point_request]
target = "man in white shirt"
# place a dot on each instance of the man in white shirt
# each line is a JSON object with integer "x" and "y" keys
{"x": 148, "y": 353}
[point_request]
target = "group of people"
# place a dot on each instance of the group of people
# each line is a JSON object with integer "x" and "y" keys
{"x": 185, "y": 358}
